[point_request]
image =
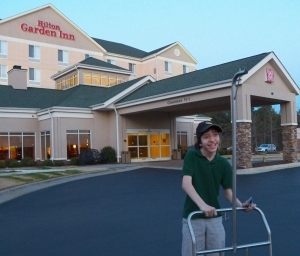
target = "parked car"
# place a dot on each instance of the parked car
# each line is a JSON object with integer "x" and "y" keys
{"x": 266, "y": 148}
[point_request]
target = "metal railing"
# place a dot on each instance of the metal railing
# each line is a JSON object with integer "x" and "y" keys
{"x": 232, "y": 248}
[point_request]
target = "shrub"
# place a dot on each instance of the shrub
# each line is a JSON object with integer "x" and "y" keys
{"x": 25, "y": 161}
{"x": 15, "y": 163}
{"x": 47, "y": 163}
{"x": 91, "y": 156}
{"x": 109, "y": 153}
{"x": 8, "y": 161}
{"x": 2, "y": 164}
{"x": 32, "y": 163}
{"x": 58, "y": 163}
{"x": 74, "y": 161}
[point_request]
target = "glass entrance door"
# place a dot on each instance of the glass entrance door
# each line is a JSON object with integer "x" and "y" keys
{"x": 149, "y": 145}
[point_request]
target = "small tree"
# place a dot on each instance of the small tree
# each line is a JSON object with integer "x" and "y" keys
{"x": 109, "y": 154}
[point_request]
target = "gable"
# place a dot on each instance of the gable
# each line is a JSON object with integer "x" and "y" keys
{"x": 177, "y": 52}
{"x": 47, "y": 25}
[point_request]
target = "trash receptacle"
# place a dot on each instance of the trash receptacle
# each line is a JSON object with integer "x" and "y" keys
{"x": 176, "y": 154}
{"x": 125, "y": 157}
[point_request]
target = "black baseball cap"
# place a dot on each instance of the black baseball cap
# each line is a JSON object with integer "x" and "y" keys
{"x": 204, "y": 126}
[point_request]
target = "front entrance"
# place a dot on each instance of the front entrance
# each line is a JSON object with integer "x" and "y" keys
{"x": 149, "y": 145}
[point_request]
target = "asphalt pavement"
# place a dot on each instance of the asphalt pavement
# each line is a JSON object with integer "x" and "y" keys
{"x": 136, "y": 210}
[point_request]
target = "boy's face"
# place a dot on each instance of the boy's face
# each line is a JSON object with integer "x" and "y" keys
{"x": 210, "y": 141}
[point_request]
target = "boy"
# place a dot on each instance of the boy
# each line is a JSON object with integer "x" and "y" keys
{"x": 204, "y": 170}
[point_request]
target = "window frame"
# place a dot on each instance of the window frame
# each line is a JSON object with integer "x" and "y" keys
{"x": 132, "y": 68}
{"x": 36, "y": 75}
{"x": 168, "y": 67}
{"x": 36, "y": 50}
{"x": 62, "y": 57}
{"x": 3, "y": 71}
{"x": 3, "y": 49}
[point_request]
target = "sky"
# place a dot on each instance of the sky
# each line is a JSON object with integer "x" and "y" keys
{"x": 213, "y": 31}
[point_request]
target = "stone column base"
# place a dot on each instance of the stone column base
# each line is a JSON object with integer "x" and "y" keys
{"x": 289, "y": 142}
{"x": 243, "y": 147}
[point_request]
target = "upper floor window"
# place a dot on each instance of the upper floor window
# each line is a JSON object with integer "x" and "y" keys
{"x": 62, "y": 57}
{"x": 168, "y": 67}
{"x": 111, "y": 61}
{"x": 34, "y": 52}
{"x": 88, "y": 55}
{"x": 185, "y": 69}
{"x": 3, "y": 48}
{"x": 34, "y": 75}
{"x": 132, "y": 68}
{"x": 3, "y": 71}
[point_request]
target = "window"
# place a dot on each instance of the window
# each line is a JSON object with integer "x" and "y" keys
{"x": 111, "y": 61}
{"x": 132, "y": 68}
{"x": 45, "y": 145}
{"x": 62, "y": 57}
{"x": 102, "y": 80}
{"x": 168, "y": 67}
{"x": 34, "y": 74}
{"x": 185, "y": 69}
{"x": 3, "y": 71}
{"x": 17, "y": 145}
{"x": 34, "y": 52}
{"x": 77, "y": 141}
{"x": 3, "y": 48}
{"x": 88, "y": 55}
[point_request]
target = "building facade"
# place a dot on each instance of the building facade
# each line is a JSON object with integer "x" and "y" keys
{"x": 149, "y": 109}
{"x": 45, "y": 42}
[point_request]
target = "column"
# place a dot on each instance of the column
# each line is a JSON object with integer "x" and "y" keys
{"x": 243, "y": 147}
{"x": 289, "y": 142}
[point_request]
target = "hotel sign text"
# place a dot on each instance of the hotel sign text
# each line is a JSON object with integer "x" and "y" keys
{"x": 178, "y": 101}
{"x": 47, "y": 29}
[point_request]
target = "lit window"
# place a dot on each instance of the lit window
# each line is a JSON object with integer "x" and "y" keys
{"x": 111, "y": 61}
{"x": 3, "y": 71}
{"x": 185, "y": 69}
{"x": 34, "y": 75}
{"x": 77, "y": 141}
{"x": 62, "y": 57}
{"x": 34, "y": 52}
{"x": 132, "y": 68}
{"x": 168, "y": 67}
{"x": 3, "y": 48}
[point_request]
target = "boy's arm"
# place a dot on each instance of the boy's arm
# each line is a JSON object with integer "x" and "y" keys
{"x": 228, "y": 196}
{"x": 188, "y": 187}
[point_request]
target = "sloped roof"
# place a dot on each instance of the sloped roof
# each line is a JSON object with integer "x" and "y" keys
{"x": 200, "y": 78}
{"x": 126, "y": 50}
{"x": 99, "y": 63}
{"x": 81, "y": 96}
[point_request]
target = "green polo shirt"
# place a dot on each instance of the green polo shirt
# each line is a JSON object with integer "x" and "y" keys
{"x": 207, "y": 176}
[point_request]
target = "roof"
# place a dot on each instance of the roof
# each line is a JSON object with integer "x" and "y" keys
{"x": 123, "y": 49}
{"x": 90, "y": 61}
{"x": 200, "y": 78}
{"x": 81, "y": 96}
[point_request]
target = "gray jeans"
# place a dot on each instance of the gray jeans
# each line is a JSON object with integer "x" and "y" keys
{"x": 209, "y": 234}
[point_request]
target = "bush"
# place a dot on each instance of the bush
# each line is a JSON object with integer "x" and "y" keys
{"x": 8, "y": 161}
{"x": 74, "y": 161}
{"x": 109, "y": 153}
{"x": 2, "y": 164}
{"x": 32, "y": 163}
{"x": 47, "y": 163}
{"x": 15, "y": 163}
{"x": 91, "y": 156}
{"x": 58, "y": 163}
{"x": 25, "y": 161}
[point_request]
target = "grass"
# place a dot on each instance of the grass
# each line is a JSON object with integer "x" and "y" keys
{"x": 33, "y": 177}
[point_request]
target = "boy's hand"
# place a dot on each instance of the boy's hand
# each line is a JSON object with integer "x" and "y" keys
{"x": 209, "y": 211}
{"x": 248, "y": 206}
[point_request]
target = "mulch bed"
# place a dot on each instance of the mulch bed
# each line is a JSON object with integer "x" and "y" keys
{"x": 261, "y": 164}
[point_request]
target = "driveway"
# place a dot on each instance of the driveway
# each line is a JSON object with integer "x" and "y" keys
{"x": 138, "y": 212}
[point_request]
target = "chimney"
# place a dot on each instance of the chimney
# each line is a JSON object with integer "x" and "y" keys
{"x": 17, "y": 77}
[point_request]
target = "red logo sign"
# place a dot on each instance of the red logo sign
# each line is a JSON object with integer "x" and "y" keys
{"x": 269, "y": 75}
